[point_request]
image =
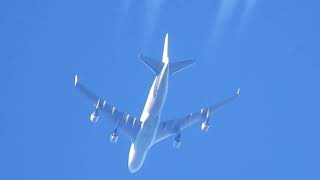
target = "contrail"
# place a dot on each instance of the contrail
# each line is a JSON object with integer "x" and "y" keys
{"x": 153, "y": 10}
{"x": 126, "y": 5}
{"x": 227, "y": 11}
{"x": 249, "y": 6}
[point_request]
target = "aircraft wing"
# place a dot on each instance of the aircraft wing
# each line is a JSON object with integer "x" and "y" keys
{"x": 125, "y": 123}
{"x": 175, "y": 126}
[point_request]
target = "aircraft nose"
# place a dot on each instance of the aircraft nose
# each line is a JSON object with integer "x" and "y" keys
{"x": 134, "y": 164}
{"x": 136, "y": 159}
{"x": 133, "y": 169}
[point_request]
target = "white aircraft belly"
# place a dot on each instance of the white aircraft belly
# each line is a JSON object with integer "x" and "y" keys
{"x": 150, "y": 119}
{"x": 136, "y": 158}
{"x": 143, "y": 143}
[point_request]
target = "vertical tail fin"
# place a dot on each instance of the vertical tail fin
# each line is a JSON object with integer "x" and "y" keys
{"x": 165, "y": 54}
{"x": 157, "y": 66}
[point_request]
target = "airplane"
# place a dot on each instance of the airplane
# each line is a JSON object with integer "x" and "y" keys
{"x": 148, "y": 130}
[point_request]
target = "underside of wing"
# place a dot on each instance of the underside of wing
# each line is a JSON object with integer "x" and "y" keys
{"x": 175, "y": 126}
{"x": 125, "y": 123}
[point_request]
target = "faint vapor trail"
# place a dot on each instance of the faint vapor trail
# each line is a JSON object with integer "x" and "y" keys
{"x": 250, "y": 4}
{"x": 226, "y": 12}
{"x": 126, "y": 5}
{"x": 153, "y": 9}
{"x": 122, "y": 17}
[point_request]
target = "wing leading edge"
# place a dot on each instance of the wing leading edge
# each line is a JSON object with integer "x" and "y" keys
{"x": 125, "y": 123}
{"x": 175, "y": 126}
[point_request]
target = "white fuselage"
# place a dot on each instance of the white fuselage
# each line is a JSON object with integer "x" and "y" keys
{"x": 150, "y": 119}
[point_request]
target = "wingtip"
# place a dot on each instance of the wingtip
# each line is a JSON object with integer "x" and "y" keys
{"x": 140, "y": 56}
{"x": 238, "y": 91}
{"x": 75, "y": 80}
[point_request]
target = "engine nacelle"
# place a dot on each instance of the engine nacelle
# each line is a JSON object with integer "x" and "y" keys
{"x": 205, "y": 126}
{"x": 205, "y": 112}
{"x": 114, "y": 137}
{"x": 94, "y": 117}
{"x": 177, "y": 142}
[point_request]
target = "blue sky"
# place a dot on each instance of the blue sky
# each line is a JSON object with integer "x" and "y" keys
{"x": 268, "y": 48}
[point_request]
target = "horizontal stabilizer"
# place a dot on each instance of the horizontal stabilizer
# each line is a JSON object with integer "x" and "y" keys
{"x": 155, "y": 66}
{"x": 178, "y": 66}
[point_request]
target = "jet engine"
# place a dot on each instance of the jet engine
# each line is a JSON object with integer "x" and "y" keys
{"x": 94, "y": 116}
{"x": 177, "y": 141}
{"x": 206, "y": 124}
{"x": 114, "y": 136}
